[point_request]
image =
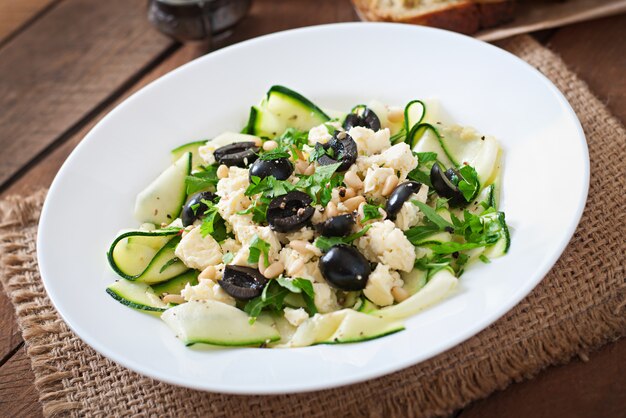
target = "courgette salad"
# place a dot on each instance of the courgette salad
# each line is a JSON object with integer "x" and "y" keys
{"x": 310, "y": 226}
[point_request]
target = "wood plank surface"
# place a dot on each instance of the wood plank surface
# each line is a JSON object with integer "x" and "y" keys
{"x": 269, "y": 16}
{"x": 18, "y": 396}
{"x": 63, "y": 67}
{"x": 596, "y": 51}
{"x": 14, "y": 14}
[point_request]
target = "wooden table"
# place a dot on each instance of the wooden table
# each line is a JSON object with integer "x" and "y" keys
{"x": 65, "y": 63}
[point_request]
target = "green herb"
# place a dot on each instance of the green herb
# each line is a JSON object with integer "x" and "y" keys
{"x": 330, "y": 128}
{"x": 213, "y": 224}
{"x": 202, "y": 180}
{"x": 453, "y": 247}
{"x": 302, "y": 286}
{"x": 269, "y": 186}
{"x": 273, "y": 297}
{"x": 431, "y": 214}
{"x": 420, "y": 176}
{"x": 418, "y": 233}
{"x": 317, "y": 153}
{"x": 468, "y": 184}
{"x": 274, "y": 154}
{"x": 370, "y": 212}
{"x": 425, "y": 157}
{"x": 326, "y": 243}
{"x": 319, "y": 185}
{"x": 258, "y": 209}
{"x": 227, "y": 258}
{"x": 441, "y": 203}
{"x": 484, "y": 259}
{"x": 258, "y": 247}
{"x": 168, "y": 263}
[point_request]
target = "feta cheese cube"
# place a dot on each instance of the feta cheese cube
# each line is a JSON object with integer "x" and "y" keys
{"x": 369, "y": 142}
{"x": 198, "y": 252}
{"x": 384, "y": 243}
{"x": 380, "y": 283}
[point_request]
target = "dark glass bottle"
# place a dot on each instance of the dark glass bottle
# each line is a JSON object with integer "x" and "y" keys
{"x": 187, "y": 20}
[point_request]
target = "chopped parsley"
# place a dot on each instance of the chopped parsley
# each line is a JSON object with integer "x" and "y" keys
{"x": 259, "y": 247}
{"x": 202, "y": 180}
{"x": 301, "y": 286}
{"x": 274, "y": 294}
{"x": 326, "y": 243}
{"x": 213, "y": 224}
{"x": 320, "y": 185}
{"x": 275, "y": 154}
{"x": 370, "y": 212}
{"x": 468, "y": 183}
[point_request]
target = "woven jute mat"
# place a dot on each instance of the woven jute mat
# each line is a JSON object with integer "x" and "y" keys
{"x": 578, "y": 307}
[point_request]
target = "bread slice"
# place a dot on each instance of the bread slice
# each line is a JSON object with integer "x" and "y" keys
{"x": 465, "y": 16}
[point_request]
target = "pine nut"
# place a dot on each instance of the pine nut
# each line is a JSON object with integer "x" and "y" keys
{"x": 262, "y": 266}
{"x": 399, "y": 294}
{"x": 331, "y": 210}
{"x": 257, "y": 141}
{"x": 310, "y": 170}
{"x": 361, "y": 211}
{"x": 299, "y": 246}
{"x": 301, "y": 166}
{"x": 390, "y": 183}
{"x": 313, "y": 250}
{"x": 274, "y": 270}
{"x": 207, "y": 273}
{"x": 353, "y": 203}
{"x": 352, "y": 180}
{"x": 222, "y": 172}
{"x": 270, "y": 145}
{"x": 299, "y": 154}
{"x": 350, "y": 193}
{"x": 173, "y": 299}
{"x": 395, "y": 114}
{"x": 295, "y": 267}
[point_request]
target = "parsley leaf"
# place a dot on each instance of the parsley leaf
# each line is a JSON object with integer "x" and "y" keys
{"x": 420, "y": 176}
{"x": 275, "y": 154}
{"x": 258, "y": 247}
{"x": 319, "y": 185}
{"x": 202, "y": 180}
{"x": 418, "y": 233}
{"x": 303, "y": 286}
{"x": 269, "y": 186}
{"x": 425, "y": 157}
{"x": 432, "y": 215}
{"x": 213, "y": 224}
{"x": 273, "y": 297}
{"x": 326, "y": 243}
{"x": 370, "y": 212}
{"x": 468, "y": 184}
{"x": 453, "y": 247}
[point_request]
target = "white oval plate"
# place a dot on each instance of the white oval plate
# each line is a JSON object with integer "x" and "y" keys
{"x": 545, "y": 186}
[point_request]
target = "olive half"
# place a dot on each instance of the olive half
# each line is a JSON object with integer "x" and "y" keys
{"x": 337, "y": 226}
{"x": 445, "y": 184}
{"x": 341, "y": 148}
{"x": 398, "y": 196}
{"x": 345, "y": 268}
{"x": 239, "y": 154}
{"x": 362, "y": 116}
{"x": 290, "y": 212}
{"x": 243, "y": 283}
{"x": 191, "y": 212}
{"x": 280, "y": 168}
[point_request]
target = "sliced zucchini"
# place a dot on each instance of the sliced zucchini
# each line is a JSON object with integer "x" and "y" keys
{"x": 414, "y": 113}
{"x": 344, "y": 326}
{"x": 424, "y": 137}
{"x": 503, "y": 244}
{"x": 436, "y": 238}
{"x": 440, "y": 284}
{"x": 215, "y": 323}
{"x": 191, "y": 147}
{"x": 366, "y": 305}
{"x": 135, "y": 295}
{"x": 486, "y": 196}
{"x": 284, "y": 108}
{"x": 414, "y": 280}
{"x": 163, "y": 199}
{"x": 178, "y": 283}
{"x": 146, "y": 256}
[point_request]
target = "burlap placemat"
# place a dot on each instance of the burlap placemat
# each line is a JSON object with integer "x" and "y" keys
{"x": 578, "y": 307}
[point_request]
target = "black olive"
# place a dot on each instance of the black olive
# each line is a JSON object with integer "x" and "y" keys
{"x": 398, "y": 196}
{"x": 345, "y": 268}
{"x": 191, "y": 212}
{"x": 281, "y": 168}
{"x": 337, "y": 226}
{"x": 239, "y": 154}
{"x": 445, "y": 184}
{"x": 364, "y": 117}
{"x": 243, "y": 283}
{"x": 341, "y": 148}
{"x": 290, "y": 212}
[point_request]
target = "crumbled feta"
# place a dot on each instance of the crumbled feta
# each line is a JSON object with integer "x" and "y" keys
{"x": 245, "y": 235}
{"x": 399, "y": 157}
{"x": 375, "y": 180}
{"x": 369, "y": 142}
{"x": 325, "y": 298}
{"x": 312, "y": 272}
{"x": 380, "y": 283}
{"x": 198, "y": 252}
{"x": 303, "y": 234}
{"x": 206, "y": 290}
{"x": 235, "y": 202}
{"x": 384, "y": 243}
{"x": 410, "y": 215}
{"x": 319, "y": 134}
{"x": 231, "y": 191}
{"x": 230, "y": 246}
{"x": 295, "y": 316}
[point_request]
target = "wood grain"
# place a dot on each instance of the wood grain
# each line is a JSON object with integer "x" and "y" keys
{"x": 596, "y": 51}
{"x": 14, "y": 14}
{"x": 595, "y": 388}
{"x": 67, "y": 63}
{"x": 18, "y": 396}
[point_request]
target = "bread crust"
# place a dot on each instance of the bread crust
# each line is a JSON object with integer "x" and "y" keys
{"x": 467, "y": 17}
